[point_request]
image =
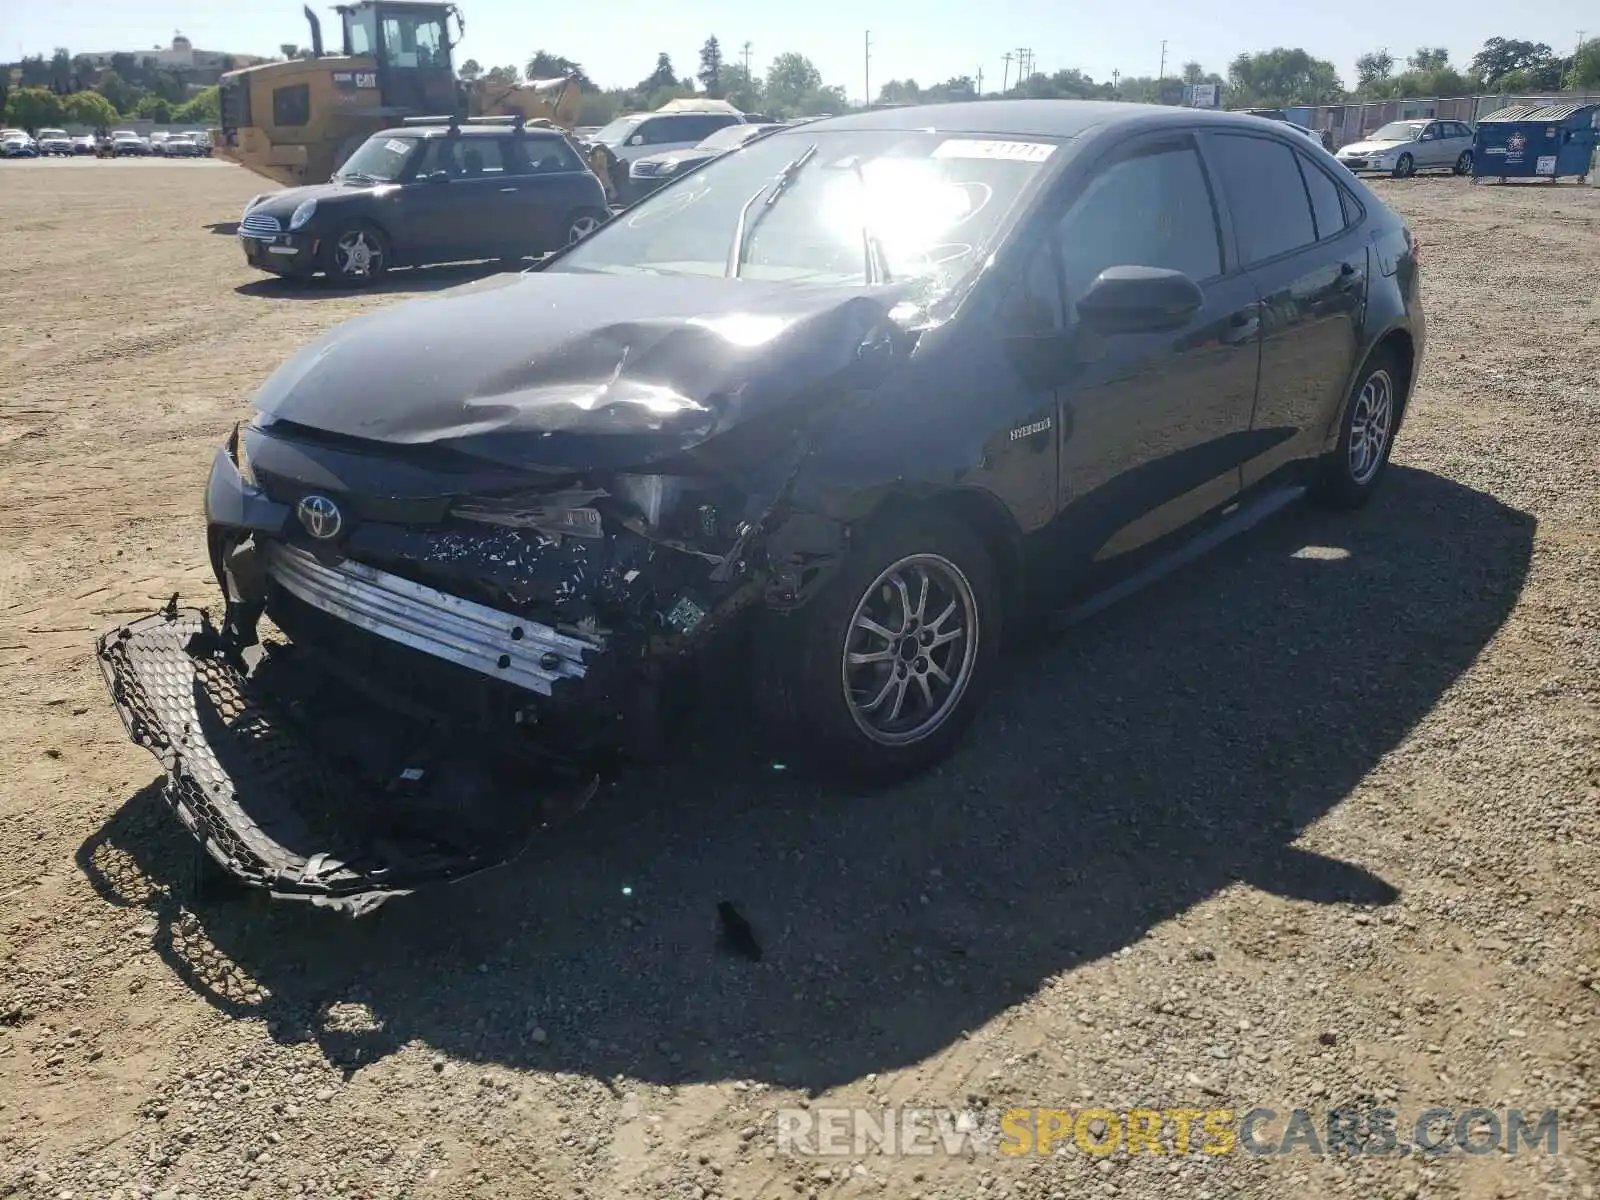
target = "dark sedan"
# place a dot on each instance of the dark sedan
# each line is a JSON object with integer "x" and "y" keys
{"x": 428, "y": 194}
{"x": 648, "y": 174}
{"x": 825, "y": 421}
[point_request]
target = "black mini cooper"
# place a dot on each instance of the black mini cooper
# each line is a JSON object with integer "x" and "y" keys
{"x": 428, "y": 194}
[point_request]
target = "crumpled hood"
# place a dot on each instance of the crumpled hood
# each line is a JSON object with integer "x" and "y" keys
{"x": 576, "y": 371}
{"x": 1369, "y": 147}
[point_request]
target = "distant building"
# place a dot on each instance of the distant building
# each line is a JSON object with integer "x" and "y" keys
{"x": 181, "y": 56}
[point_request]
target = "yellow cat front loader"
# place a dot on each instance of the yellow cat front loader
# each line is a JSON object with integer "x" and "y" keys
{"x": 296, "y": 122}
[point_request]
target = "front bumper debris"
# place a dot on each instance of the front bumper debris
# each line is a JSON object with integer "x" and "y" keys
{"x": 309, "y": 794}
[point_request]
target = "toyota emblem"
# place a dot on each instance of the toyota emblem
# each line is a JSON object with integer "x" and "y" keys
{"x": 321, "y": 517}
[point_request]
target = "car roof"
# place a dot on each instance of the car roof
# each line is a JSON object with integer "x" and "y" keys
{"x": 433, "y": 131}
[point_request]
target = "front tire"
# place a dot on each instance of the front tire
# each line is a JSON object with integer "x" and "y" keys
{"x": 357, "y": 254}
{"x": 1405, "y": 167}
{"x": 878, "y": 677}
{"x": 1351, "y": 472}
{"x": 1464, "y": 163}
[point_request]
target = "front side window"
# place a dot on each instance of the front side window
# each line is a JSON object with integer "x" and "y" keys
{"x": 415, "y": 40}
{"x": 1153, "y": 209}
{"x": 932, "y": 206}
{"x": 380, "y": 159}
{"x": 361, "y": 28}
{"x": 618, "y": 132}
{"x": 1271, "y": 212}
{"x": 291, "y": 106}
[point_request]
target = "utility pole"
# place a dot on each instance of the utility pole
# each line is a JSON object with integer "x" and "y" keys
{"x": 866, "y": 64}
{"x": 1162, "y": 73}
{"x": 980, "y": 83}
{"x": 1023, "y": 64}
{"x": 1005, "y": 78}
{"x": 746, "y": 48}
{"x": 1116, "y": 82}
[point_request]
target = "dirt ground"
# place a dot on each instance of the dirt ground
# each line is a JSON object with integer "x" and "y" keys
{"x": 1313, "y": 824}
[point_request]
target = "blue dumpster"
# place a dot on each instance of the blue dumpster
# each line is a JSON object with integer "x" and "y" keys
{"x": 1525, "y": 142}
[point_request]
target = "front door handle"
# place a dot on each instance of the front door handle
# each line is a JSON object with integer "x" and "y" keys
{"x": 1242, "y": 327}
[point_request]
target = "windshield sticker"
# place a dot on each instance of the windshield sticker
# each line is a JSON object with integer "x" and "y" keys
{"x": 397, "y": 146}
{"x": 1031, "y": 152}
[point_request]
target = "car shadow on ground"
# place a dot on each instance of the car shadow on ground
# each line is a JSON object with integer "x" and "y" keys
{"x": 226, "y": 228}
{"x": 400, "y": 280}
{"x": 1166, "y": 749}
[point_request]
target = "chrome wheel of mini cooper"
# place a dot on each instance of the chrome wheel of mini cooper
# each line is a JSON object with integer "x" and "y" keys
{"x": 358, "y": 254}
{"x": 910, "y": 649}
{"x": 582, "y": 226}
{"x": 1370, "y": 425}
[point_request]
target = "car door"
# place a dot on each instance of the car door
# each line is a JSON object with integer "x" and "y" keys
{"x": 1460, "y": 139}
{"x": 1299, "y": 237}
{"x": 431, "y": 220}
{"x": 550, "y": 184}
{"x": 1153, "y": 425}
{"x": 489, "y": 197}
{"x": 1433, "y": 147}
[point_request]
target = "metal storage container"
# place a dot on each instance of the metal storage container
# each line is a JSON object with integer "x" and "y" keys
{"x": 1525, "y": 142}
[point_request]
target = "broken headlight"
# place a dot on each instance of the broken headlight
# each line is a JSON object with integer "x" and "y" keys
{"x": 240, "y": 457}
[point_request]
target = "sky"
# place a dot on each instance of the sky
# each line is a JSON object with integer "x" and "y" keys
{"x": 929, "y": 41}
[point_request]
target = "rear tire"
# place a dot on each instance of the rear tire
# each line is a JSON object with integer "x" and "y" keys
{"x": 356, "y": 255}
{"x": 582, "y": 223}
{"x": 878, "y": 677}
{"x": 1350, "y": 473}
{"x": 1464, "y": 163}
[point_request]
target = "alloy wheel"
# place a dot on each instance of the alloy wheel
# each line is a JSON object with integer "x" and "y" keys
{"x": 1464, "y": 163}
{"x": 581, "y": 228}
{"x": 357, "y": 254}
{"x": 910, "y": 650}
{"x": 1371, "y": 421}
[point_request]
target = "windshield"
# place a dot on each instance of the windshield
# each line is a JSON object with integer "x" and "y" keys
{"x": 1400, "y": 131}
{"x": 730, "y": 136}
{"x": 936, "y": 205}
{"x": 617, "y": 132}
{"x": 53, "y": 133}
{"x": 381, "y": 158}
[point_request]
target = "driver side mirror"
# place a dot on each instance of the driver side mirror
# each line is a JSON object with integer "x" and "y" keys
{"x": 636, "y": 140}
{"x": 1139, "y": 300}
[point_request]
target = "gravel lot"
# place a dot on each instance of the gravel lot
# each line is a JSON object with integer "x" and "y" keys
{"x": 1314, "y": 822}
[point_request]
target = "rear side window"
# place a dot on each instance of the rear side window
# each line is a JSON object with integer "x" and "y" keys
{"x": 549, "y": 155}
{"x": 291, "y": 106}
{"x": 1152, "y": 209}
{"x": 1325, "y": 203}
{"x": 1271, "y": 212}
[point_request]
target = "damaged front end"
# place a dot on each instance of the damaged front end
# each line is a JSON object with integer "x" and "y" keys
{"x": 471, "y": 605}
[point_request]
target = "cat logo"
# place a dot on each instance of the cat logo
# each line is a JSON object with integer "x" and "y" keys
{"x": 1029, "y": 430}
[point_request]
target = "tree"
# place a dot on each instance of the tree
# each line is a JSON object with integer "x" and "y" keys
{"x": 1283, "y": 76}
{"x": 1373, "y": 68}
{"x": 470, "y": 70}
{"x": 122, "y": 95}
{"x": 791, "y": 78}
{"x": 35, "y": 71}
{"x": 900, "y": 91}
{"x": 741, "y": 89}
{"x": 552, "y": 66}
{"x": 154, "y": 108}
{"x": 1426, "y": 58}
{"x": 662, "y": 77}
{"x": 33, "y": 108}
{"x": 91, "y": 109}
{"x": 1585, "y": 71}
{"x": 1193, "y": 73}
{"x": 205, "y": 108}
{"x": 1501, "y": 57}
{"x": 61, "y": 71}
{"x": 502, "y": 76}
{"x": 710, "y": 73}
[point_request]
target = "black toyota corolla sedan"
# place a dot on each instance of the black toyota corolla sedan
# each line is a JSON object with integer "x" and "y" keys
{"x": 428, "y": 193}
{"x": 851, "y": 402}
